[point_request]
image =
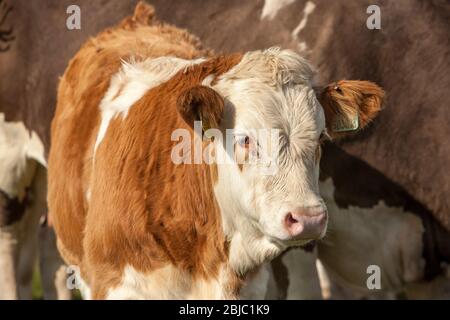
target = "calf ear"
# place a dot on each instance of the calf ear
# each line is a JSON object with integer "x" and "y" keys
{"x": 350, "y": 105}
{"x": 201, "y": 103}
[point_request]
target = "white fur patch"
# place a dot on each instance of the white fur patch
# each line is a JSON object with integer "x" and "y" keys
{"x": 309, "y": 8}
{"x": 132, "y": 82}
{"x": 20, "y": 151}
{"x": 271, "y": 8}
{"x": 166, "y": 283}
{"x": 302, "y": 47}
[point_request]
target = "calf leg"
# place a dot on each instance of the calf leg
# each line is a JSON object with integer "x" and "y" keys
{"x": 52, "y": 268}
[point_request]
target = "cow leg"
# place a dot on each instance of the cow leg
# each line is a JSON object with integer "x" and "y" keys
{"x": 294, "y": 276}
{"x": 272, "y": 290}
{"x": 332, "y": 290}
{"x": 30, "y": 235}
{"x": 27, "y": 252}
{"x": 18, "y": 246}
{"x": 302, "y": 274}
{"x": 325, "y": 283}
{"x": 256, "y": 286}
{"x": 8, "y": 261}
{"x": 53, "y": 268}
{"x": 15, "y": 177}
{"x": 17, "y": 172}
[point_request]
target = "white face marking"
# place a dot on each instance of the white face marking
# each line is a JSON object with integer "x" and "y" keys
{"x": 271, "y": 8}
{"x": 309, "y": 8}
{"x": 269, "y": 90}
{"x": 132, "y": 82}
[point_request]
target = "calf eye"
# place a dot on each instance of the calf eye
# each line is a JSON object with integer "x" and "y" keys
{"x": 338, "y": 89}
{"x": 244, "y": 141}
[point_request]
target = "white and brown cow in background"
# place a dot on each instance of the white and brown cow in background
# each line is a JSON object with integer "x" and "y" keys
{"x": 31, "y": 35}
{"x": 24, "y": 233}
{"x": 141, "y": 226}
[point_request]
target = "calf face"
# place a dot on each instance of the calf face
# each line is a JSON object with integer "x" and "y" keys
{"x": 267, "y": 150}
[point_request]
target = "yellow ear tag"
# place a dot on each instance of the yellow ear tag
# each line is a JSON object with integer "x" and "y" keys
{"x": 343, "y": 123}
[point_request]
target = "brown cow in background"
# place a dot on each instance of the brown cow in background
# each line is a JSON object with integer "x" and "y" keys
{"x": 392, "y": 185}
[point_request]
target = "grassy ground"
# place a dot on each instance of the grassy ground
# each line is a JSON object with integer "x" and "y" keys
{"x": 37, "y": 287}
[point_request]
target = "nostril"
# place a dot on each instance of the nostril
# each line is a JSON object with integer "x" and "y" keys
{"x": 290, "y": 220}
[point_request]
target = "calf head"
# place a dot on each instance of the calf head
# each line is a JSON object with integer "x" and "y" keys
{"x": 267, "y": 123}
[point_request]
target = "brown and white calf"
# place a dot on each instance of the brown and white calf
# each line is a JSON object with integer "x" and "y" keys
{"x": 140, "y": 225}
